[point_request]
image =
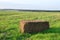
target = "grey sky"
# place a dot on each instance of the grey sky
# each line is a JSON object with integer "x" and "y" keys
{"x": 30, "y": 4}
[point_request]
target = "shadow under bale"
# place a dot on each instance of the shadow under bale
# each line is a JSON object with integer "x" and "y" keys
{"x": 33, "y": 26}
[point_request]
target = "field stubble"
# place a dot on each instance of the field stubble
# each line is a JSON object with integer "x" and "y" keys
{"x": 9, "y": 25}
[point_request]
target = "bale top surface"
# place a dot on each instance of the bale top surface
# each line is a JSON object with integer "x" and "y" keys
{"x": 34, "y": 21}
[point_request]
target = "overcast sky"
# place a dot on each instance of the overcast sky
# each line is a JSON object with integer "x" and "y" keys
{"x": 30, "y": 4}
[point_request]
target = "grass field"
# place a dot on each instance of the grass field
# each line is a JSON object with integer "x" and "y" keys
{"x": 9, "y": 25}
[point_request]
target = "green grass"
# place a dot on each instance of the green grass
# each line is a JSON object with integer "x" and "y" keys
{"x": 9, "y": 25}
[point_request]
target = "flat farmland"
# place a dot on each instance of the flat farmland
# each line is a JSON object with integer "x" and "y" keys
{"x": 10, "y": 22}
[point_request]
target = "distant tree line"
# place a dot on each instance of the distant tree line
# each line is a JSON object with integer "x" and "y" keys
{"x": 33, "y": 10}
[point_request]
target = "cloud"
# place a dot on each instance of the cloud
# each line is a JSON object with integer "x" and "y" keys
{"x": 25, "y": 1}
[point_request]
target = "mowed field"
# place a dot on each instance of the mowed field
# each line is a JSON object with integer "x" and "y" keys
{"x": 10, "y": 23}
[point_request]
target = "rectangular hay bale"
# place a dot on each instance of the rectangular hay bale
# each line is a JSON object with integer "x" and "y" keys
{"x": 33, "y": 26}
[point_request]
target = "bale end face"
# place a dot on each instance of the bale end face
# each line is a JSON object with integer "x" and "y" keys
{"x": 33, "y": 26}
